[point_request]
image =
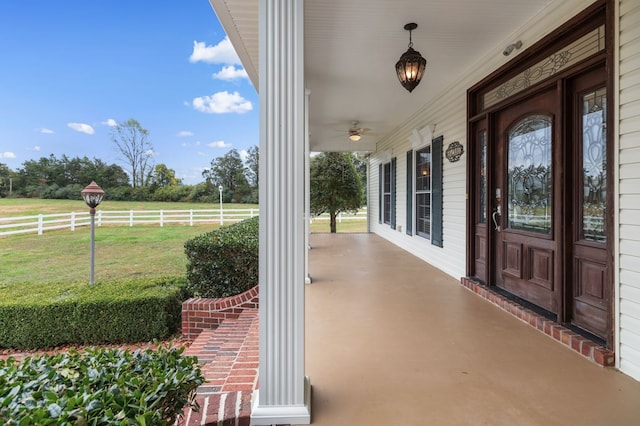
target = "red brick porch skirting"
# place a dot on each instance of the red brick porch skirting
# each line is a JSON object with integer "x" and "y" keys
{"x": 585, "y": 347}
{"x": 225, "y": 339}
{"x": 229, "y": 360}
{"x": 200, "y": 314}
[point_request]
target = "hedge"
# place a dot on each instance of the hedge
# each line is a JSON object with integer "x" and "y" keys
{"x": 223, "y": 262}
{"x": 98, "y": 387}
{"x": 40, "y": 316}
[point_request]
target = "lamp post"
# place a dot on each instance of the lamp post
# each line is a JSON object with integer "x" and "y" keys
{"x": 221, "y": 216}
{"x": 93, "y": 196}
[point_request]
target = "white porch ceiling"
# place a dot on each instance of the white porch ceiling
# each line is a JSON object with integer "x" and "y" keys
{"x": 351, "y": 47}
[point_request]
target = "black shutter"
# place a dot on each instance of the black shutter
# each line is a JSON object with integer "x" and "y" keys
{"x": 409, "y": 224}
{"x": 436, "y": 192}
{"x": 380, "y": 193}
{"x": 393, "y": 193}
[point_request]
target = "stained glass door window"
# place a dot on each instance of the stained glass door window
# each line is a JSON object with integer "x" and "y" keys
{"x": 529, "y": 175}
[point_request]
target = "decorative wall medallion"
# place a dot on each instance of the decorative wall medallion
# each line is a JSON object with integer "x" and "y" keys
{"x": 454, "y": 151}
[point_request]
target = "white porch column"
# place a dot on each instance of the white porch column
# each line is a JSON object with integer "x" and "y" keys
{"x": 307, "y": 191}
{"x": 283, "y": 397}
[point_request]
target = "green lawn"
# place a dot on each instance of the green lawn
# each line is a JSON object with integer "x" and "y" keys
{"x": 346, "y": 226}
{"x": 121, "y": 251}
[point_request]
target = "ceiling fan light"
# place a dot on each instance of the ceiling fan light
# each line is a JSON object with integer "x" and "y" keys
{"x": 355, "y": 137}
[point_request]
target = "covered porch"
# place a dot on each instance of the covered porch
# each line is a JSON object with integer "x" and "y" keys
{"x": 379, "y": 326}
{"x": 392, "y": 340}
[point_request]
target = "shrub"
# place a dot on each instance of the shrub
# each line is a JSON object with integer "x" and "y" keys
{"x": 203, "y": 193}
{"x": 120, "y": 193}
{"x": 223, "y": 262}
{"x": 107, "y": 387}
{"x": 46, "y": 315}
{"x": 173, "y": 193}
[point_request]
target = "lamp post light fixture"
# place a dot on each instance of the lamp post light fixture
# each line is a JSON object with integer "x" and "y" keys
{"x": 221, "y": 215}
{"x": 93, "y": 196}
{"x": 410, "y": 67}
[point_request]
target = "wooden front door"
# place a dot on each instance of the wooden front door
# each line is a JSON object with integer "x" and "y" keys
{"x": 540, "y": 218}
{"x": 550, "y": 229}
{"x": 526, "y": 216}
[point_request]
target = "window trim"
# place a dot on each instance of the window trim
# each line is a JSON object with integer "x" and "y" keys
{"x": 417, "y": 192}
{"x": 436, "y": 192}
{"x": 386, "y": 184}
{"x": 409, "y": 194}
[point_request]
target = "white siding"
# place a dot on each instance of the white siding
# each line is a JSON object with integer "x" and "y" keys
{"x": 628, "y": 292}
{"x": 450, "y": 119}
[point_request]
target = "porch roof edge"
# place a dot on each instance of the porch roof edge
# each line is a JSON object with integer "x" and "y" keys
{"x": 228, "y": 22}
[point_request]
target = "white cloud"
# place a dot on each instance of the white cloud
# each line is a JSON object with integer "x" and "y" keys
{"x": 7, "y": 154}
{"x": 184, "y": 134}
{"x": 221, "y": 53}
{"x": 151, "y": 153}
{"x": 110, "y": 122}
{"x": 230, "y": 73}
{"x": 189, "y": 144}
{"x": 218, "y": 144}
{"x": 36, "y": 148}
{"x": 222, "y": 103}
{"x": 82, "y": 128}
{"x": 46, "y": 131}
{"x": 202, "y": 154}
{"x": 243, "y": 154}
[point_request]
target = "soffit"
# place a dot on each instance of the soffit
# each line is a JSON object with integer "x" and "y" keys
{"x": 351, "y": 47}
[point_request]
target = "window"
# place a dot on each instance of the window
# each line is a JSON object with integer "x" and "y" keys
{"x": 423, "y": 192}
{"x": 409, "y": 194}
{"x": 386, "y": 194}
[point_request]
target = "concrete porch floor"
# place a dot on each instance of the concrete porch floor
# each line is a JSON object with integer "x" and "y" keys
{"x": 391, "y": 340}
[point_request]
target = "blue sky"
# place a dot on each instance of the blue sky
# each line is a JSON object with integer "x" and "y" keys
{"x": 70, "y": 69}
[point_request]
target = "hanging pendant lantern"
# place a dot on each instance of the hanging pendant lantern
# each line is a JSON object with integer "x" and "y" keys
{"x": 410, "y": 67}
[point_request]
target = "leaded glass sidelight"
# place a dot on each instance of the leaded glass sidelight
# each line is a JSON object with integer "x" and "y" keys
{"x": 529, "y": 175}
{"x": 594, "y": 165}
{"x": 482, "y": 184}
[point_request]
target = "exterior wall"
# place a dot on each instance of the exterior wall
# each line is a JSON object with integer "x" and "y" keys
{"x": 629, "y": 188}
{"x": 450, "y": 119}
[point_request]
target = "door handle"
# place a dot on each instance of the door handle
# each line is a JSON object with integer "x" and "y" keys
{"x": 495, "y": 221}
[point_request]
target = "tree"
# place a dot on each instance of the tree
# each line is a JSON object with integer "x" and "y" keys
{"x": 164, "y": 176}
{"x": 335, "y": 185}
{"x": 253, "y": 159}
{"x": 109, "y": 175}
{"x": 6, "y": 177}
{"x": 51, "y": 175}
{"x": 227, "y": 171}
{"x": 361, "y": 167}
{"x": 133, "y": 144}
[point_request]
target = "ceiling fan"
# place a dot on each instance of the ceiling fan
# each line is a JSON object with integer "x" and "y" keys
{"x": 356, "y": 132}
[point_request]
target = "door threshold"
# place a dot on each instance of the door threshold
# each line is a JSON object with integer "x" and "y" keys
{"x": 577, "y": 342}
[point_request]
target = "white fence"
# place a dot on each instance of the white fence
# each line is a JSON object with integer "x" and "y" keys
{"x": 49, "y": 222}
{"x": 73, "y": 220}
{"x": 360, "y": 215}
